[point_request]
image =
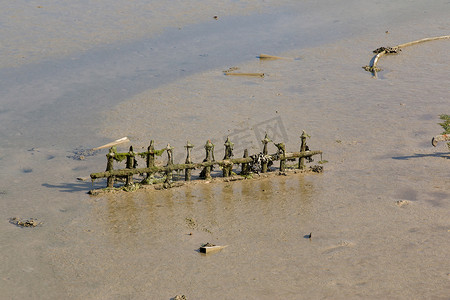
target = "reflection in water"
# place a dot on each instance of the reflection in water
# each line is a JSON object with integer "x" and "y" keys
{"x": 212, "y": 206}
{"x": 209, "y": 199}
{"x": 122, "y": 216}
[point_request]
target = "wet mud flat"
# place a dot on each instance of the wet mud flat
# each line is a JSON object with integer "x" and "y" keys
{"x": 374, "y": 224}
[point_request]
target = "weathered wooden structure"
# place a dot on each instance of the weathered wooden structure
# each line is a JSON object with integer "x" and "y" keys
{"x": 258, "y": 163}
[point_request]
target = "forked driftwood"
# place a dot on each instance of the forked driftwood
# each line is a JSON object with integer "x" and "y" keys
{"x": 394, "y": 50}
{"x": 440, "y": 138}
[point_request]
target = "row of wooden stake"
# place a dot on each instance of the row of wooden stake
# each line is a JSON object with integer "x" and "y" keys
{"x": 227, "y": 163}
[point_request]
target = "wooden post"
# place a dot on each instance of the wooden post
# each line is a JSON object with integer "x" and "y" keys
{"x": 130, "y": 165}
{"x": 301, "y": 161}
{"x": 150, "y": 158}
{"x": 110, "y": 166}
{"x": 206, "y": 173}
{"x": 151, "y": 155}
{"x": 245, "y": 167}
{"x": 228, "y": 154}
{"x": 265, "y": 141}
{"x": 168, "y": 180}
{"x": 282, "y": 154}
{"x": 187, "y": 172}
{"x": 150, "y": 161}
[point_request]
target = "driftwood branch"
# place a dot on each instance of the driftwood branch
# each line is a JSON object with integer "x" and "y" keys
{"x": 394, "y": 50}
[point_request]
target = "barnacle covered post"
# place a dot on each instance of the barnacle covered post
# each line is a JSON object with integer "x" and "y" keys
{"x": 110, "y": 166}
{"x": 130, "y": 165}
{"x": 206, "y": 173}
{"x": 188, "y": 171}
{"x": 228, "y": 154}
{"x": 282, "y": 154}
{"x": 245, "y": 168}
{"x": 301, "y": 161}
{"x": 149, "y": 159}
{"x": 264, "y": 164}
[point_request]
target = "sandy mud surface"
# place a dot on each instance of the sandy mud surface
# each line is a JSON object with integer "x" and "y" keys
{"x": 378, "y": 215}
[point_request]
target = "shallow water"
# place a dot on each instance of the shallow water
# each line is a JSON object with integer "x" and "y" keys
{"x": 168, "y": 85}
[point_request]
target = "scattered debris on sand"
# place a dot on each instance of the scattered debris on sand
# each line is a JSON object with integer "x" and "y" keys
{"x": 317, "y": 169}
{"x": 81, "y": 154}
{"x": 87, "y": 178}
{"x": 401, "y": 203}
{"x": 24, "y": 223}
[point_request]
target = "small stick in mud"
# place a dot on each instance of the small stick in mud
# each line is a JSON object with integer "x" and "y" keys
{"x": 272, "y": 57}
{"x": 116, "y": 142}
{"x": 245, "y": 74}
